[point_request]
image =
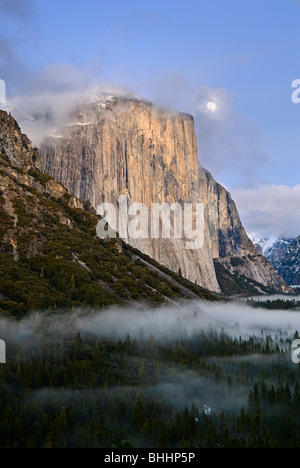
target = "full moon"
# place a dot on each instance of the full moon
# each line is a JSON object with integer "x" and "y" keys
{"x": 211, "y": 105}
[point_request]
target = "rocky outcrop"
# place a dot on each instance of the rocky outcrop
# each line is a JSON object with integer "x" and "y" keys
{"x": 14, "y": 145}
{"x": 21, "y": 185}
{"x": 18, "y": 166}
{"x": 257, "y": 270}
{"x": 227, "y": 234}
{"x": 130, "y": 147}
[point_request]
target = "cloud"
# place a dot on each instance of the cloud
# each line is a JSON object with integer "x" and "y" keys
{"x": 228, "y": 144}
{"x": 270, "y": 210}
{"x": 49, "y": 100}
{"x": 59, "y": 78}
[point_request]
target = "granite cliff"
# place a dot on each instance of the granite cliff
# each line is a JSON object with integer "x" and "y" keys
{"x": 50, "y": 255}
{"x": 124, "y": 146}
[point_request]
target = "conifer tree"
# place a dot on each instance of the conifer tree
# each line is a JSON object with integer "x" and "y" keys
{"x": 224, "y": 432}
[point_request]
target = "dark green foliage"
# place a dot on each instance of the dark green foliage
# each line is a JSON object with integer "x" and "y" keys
{"x": 39, "y": 176}
{"x": 278, "y": 304}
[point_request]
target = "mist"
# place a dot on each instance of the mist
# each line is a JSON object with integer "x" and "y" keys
{"x": 237, "y": 319}
{"x": 217, "y": 382}
{"x": 44, "y": 100}
{"x": 183, "y": 321}
{"x": 181, "y": 390}
{"x": 45, "y": 105}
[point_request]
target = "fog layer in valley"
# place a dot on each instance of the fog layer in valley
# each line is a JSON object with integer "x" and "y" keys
{"x": 182, "y": 320}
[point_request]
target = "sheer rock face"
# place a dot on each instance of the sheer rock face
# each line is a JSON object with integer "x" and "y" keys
{"x": 130, "y": 147}
{"x": 229, "y": 238}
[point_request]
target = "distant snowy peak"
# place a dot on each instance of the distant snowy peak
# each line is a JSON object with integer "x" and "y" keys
{"x": 283, "y": 254}
{"x": 263, "y": 244}
{"x": 271, "y": 247}
{"x": 289, "y": 265}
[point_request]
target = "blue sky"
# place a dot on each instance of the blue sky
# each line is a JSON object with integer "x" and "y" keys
{"x": 244, "y": 54}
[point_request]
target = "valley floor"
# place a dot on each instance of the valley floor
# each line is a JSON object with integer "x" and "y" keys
{"x": 186, "y": 377}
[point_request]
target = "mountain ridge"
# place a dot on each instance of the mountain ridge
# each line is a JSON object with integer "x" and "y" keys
{"x": 289, "y": 265}
{"x": 283, "y": 254}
